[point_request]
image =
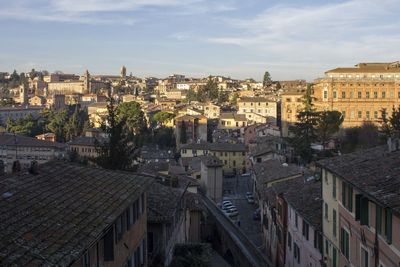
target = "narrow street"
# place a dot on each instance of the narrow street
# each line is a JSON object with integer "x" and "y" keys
{"x": 235, "y": 189}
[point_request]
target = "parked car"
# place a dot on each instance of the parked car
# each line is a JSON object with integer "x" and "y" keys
{"x": 249, "y": 194}
{"x": 228, "y": 206}
{"x": 246, "y": 174}
{"x": 257, "y": 215}
{"x": 226, "y": 202}
{"x": 232, "y": 212}
{"x": 250, "y": 199}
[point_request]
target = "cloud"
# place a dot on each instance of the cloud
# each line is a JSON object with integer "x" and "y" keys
{"x": 338, "y": 33}
{"x": 103, "y": 11}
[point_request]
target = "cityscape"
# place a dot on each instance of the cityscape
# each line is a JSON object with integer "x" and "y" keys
{"x": 121, "y": 164}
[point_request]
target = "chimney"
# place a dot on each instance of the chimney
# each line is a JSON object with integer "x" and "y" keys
{"x": 34, "y": 168}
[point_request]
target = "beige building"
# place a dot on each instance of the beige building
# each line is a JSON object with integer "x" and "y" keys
{"x": 233, "y": 156}
{"x": 231, "y": 120}
{"x": 211, "y": 177}
{"x": 190, "y": 129}
{"x": 97, "y": 112}
{"x": 37, "y": 101}
{"x": 262, "y": 106}
{"x": 211, "y": 111}
{"x": 25, "y": 149}
{"x": 291, "y": 105}
{"x": 359, "y": 92}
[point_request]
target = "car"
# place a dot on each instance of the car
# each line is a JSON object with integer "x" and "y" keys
{"x": 250, "y": 199}
{"x": 225, "y": 202}
{"x": 227, "y": 207}
{"x": 232, "y": 212}
{"x": 257, "y": 215}
{"x": 249, "y": 194}
{"x": 247, "y": 174}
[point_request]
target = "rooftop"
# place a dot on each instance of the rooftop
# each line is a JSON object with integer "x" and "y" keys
{"x": 369, "y": 68}
{"x": 233, "y": 116}
{"x": 216, "y": 147}
{"x": 272, "y": 170}
{"x": 10, "y": 139}
{"x": 162, "y": 202}
{"x": 375, "y": 172}
{"x": 52, "y": 217}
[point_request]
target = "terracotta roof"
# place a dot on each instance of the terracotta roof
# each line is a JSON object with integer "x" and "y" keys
{"x": 51, "y": 218}
{"x": 10, "y": 139}
{"x": 253, "y": 99}
{"x": 216, "y": 147}
{"x": 162, "y": 202}
{"x": 375, "y": 172}
{"x": 233, "y": 116}
{"x": 369, "y": 68}
{"x": 304, "y": 197}
{"x": 272, "y": 170}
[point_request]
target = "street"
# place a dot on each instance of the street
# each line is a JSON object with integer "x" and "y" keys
{"x": 235, "y": 189}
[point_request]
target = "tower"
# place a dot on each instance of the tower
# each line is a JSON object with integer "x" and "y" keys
{"x": 86, "y": 82}
{"x": 123, "y": 72}
{"x": 23, "y": 94}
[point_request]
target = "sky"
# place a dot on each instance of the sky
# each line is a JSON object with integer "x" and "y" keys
{"x": 298, "y": 39}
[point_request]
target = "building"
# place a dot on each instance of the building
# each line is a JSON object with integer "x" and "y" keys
{"x": 37, "y": 101}
{"x": 303, "y": 203}
{"x": 361, "y": 209}
{"x": 166, "y": 222}
{"x": 359, "y": 92}
{"x": 211, "y": 111}
{"x": 190, "y": 129}
{"x": 231, "y": 121}
{"x": 46, "y": 137}
{"x": 292, "y": 102}
{"x": 97, "y": 113}
{"x": 62, "y": 214}
{"x": 25, "y": 149}
{"x": 232, "y": 156}
{"x": 14, "y": 113}
{"x": 254, "y": 107}
{"x": 211, "y": 177}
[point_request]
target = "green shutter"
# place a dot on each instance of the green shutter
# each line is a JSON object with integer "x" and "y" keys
{"x": 358, "y": 207}
{"x": 388, "y": 227}
{"x": 350, "y": 199}
{"x": 378, "y": 219}
{"x": 364, "y": 218}
{"x": 343, "y": 194}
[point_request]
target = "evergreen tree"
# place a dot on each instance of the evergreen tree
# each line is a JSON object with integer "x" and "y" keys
{"x": 391, "y": 126}
{"x": 303, "y": 132}
{"x": 116, "y": 151}
{"x": 328, "y": 124}
{"x": 183, "y": 137}
{"x": 267, "y": 79}
{"x": 134, "y": 121}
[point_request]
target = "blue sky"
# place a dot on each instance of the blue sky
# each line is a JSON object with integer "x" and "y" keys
{"x": 237, "y": 38}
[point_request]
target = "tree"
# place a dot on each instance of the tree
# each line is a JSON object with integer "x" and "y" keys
{"x": 303, "y": 132}
{"x": 76, "y": 123}
{"x": 116, "y": 151}
{"x": 135, "y": 122}
{"x": 56, "y": 123}
{"x": 328, "y": 123}
{"x": 164, "y": 137}
{"x": 25, "y": 126}
{"x": 267, "y": 79}
{"x": 391, "y": 126}
{"x": 163, "y": 117}
{"x": 234, "y": 98}
{"x": 222, "y": 96}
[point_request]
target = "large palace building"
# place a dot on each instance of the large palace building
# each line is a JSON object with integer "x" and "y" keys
{"x": 360, "y": 92}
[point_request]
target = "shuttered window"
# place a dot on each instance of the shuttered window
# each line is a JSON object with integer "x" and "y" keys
{"x": 364, "y": 211}
{"x": 388, "y": 225}
{"x": 109, "y": 245}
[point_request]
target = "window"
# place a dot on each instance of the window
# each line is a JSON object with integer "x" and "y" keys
{"x": 364, "y": 257}
{"x": 305, "y": 229}
{"x": 334, "y": 223}
{"x": 334, "y": 186}
{"x": 359, "y": 114}
{"x": 334, "y": 257}
{"x": 325, "y": 94}
{"x": 326, "y": 211}
{"x": 375, "y": 94}
{"x": 345, "y": 243}
{"x": 344, "y": 113}
{"x": 109, "y": 245}
{"x": 362, "y": 209}
{"x": 289, "y": 241}
{"x": 375, "y": 115}
{"x": 343, "y": 94}
{"x": 296, "y": 252}
{"x": 86, "y": 259}
{"x": 359, "y": 94}
{"x": 347, "y": 196}
{"x": 383, "y": 94}
{"x": 367, "y": 114}
{"x": 118, "y": 229}
{"x": 351, "y": 94}
{"x": 367, "y": 94}
{"x": 296, "y": 220}
{"x": 334, "y": 95}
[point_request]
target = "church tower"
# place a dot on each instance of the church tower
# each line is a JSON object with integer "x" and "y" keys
{"x": 86, "y": 82}
{"x": 23, "y": 94}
